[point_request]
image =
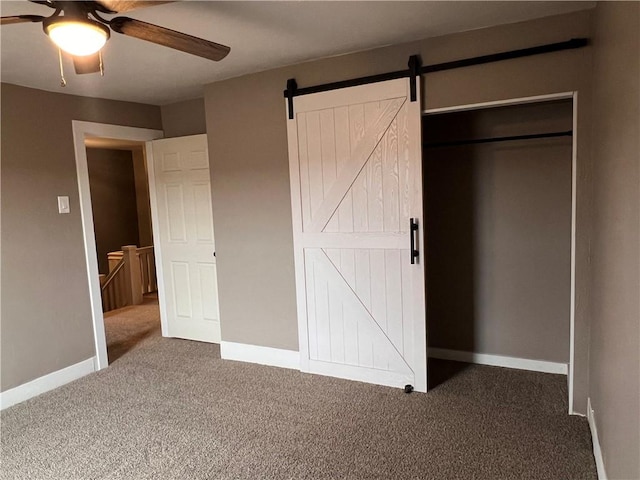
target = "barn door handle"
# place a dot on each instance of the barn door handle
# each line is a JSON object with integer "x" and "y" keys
{"x": 413, "y": 230}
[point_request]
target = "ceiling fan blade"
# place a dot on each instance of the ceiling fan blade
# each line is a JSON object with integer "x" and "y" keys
{"x": 21, "y": 19}
{"x": 88, "y": 64}
{"x": 169, "y": 38}
{"x": 128, "y": 5}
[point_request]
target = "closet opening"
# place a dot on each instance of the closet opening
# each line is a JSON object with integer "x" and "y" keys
{"x": 499, "y": 212}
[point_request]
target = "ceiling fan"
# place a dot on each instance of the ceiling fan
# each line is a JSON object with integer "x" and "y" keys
{"x": 78, "y": 28}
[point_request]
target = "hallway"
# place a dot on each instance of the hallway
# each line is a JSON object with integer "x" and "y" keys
{"x": 127, "y": 327}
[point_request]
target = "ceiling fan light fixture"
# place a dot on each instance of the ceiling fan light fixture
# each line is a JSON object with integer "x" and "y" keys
{"x": 78, "y": 37}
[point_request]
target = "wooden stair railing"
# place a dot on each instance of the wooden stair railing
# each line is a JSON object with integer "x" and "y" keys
{"x": 114, "y": 293}
{"x": 131, "y": 275}
{"x": 147, "y": 270}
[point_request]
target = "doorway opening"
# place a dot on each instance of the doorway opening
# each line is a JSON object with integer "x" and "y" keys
{"x": 499, "y": 192}
{"x": 121, "y": 211}
{"x": 116, "y": 134}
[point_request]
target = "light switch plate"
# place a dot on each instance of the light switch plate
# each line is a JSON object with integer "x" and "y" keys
{"x": 63, "y": 204}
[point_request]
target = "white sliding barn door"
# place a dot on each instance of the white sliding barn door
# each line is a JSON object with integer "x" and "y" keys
{"x": 356, "y": 181}
{"x": 184, "y": 221}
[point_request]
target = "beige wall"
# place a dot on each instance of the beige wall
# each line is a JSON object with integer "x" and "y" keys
{"x": 498, "y": 232}
{"x": 184, "y": 118}
{"x": 615, "y": 330}
{"x": 46, "y": 320}
{"x": 143, "y": 205}
{"x": 246, "y": 128}
{"x": 113, "y": 201}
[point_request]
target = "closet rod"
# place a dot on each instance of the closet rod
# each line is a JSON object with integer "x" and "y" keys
{"x": 498, "y": 139}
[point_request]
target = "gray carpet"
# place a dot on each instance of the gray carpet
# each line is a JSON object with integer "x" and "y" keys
{"x": 171, "y": 409}
{"x": 127, "y": 327}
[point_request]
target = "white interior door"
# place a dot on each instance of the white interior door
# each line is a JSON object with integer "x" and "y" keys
{"x": 356, "y": 182}
{"x": 186, "y": 247}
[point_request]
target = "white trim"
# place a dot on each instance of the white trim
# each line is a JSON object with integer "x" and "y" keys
{"x": 45, "y": 383}
{"x": 155, "y": 231}
{"x": 275, "y": 357}
{"x": 572, "y": 294}
{"x": 80, "y": 131}
{"x": 597, "y": 451}
{"x": 499, "y": 361}
{"x": 500, "y": 103}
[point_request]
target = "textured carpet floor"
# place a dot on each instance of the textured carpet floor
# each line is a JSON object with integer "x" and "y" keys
{"x": 171, "y": 409}
{"x": 127, "y": 327}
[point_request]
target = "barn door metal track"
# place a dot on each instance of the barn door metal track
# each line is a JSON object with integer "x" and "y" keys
{"x": 415, "y": 69}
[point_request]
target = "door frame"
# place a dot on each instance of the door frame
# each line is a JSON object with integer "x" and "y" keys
{"x": 81, "y": 130}
{"x": 573, "y": 95}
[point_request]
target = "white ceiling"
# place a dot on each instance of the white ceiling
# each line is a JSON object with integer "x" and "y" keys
{"x": 261, "y": 34}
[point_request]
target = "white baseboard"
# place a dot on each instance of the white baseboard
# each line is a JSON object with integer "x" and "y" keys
{"x": 499, "y": 361}
{"x": 275, "y": 357}
{"x": 45, "y": 383}
{"x": 597, "y": 452}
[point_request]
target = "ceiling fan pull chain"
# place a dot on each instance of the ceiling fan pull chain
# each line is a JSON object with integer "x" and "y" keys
{"x": 101, "y": 64}
{"x": 63, "y": 82}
